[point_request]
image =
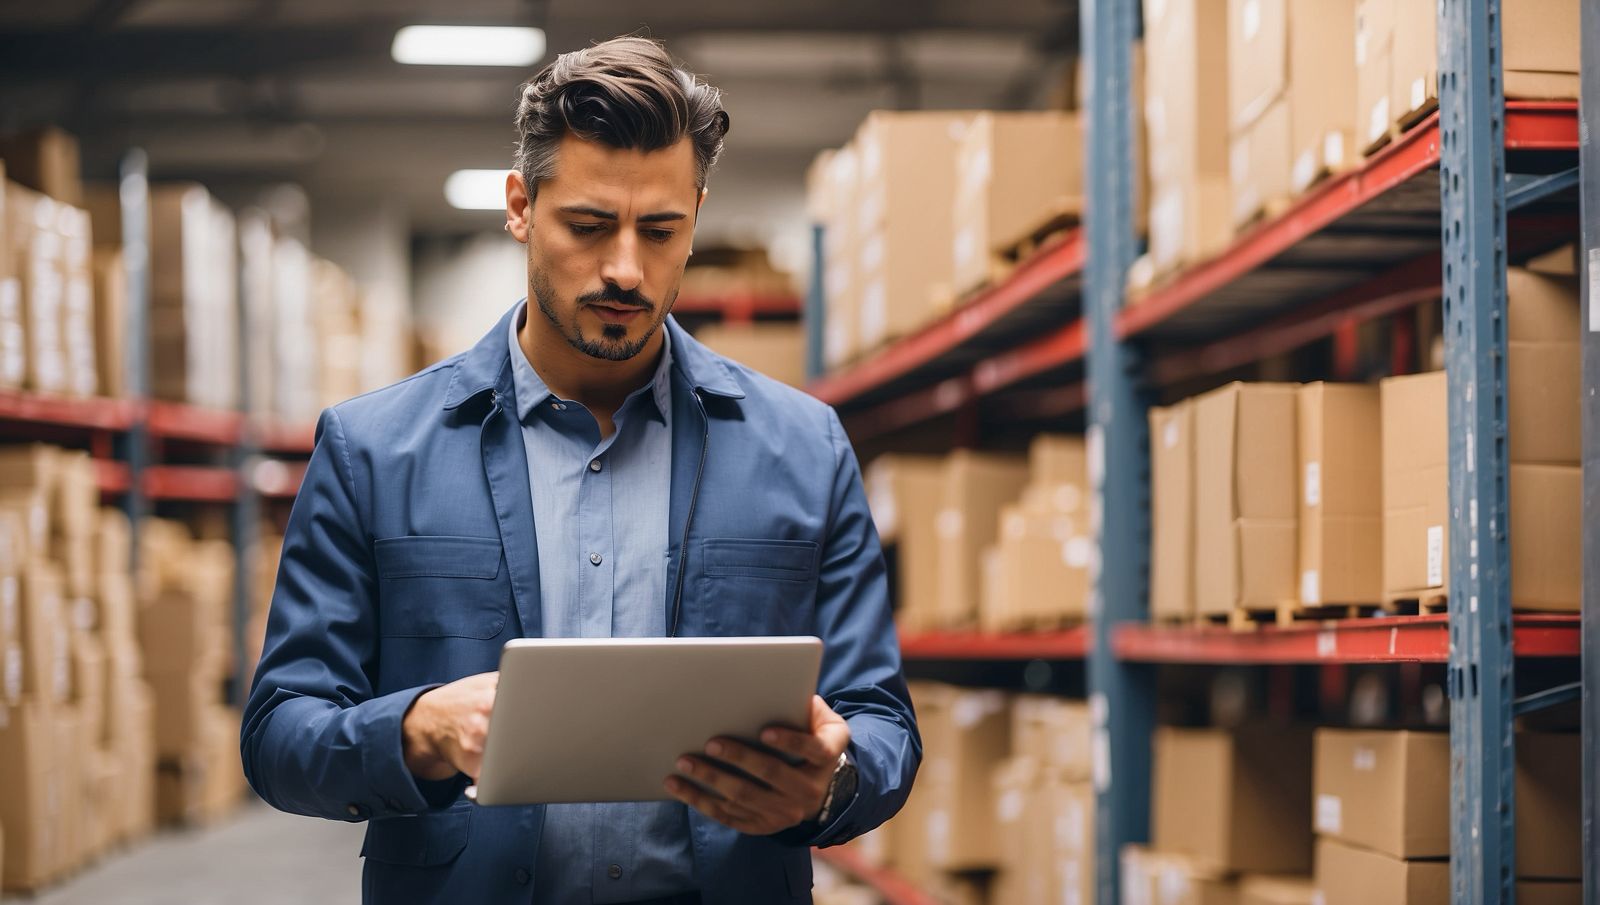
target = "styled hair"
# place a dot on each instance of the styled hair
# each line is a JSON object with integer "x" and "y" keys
{"x": 627, "y": 93}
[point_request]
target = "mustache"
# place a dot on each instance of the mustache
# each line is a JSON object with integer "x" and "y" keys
{"x": 618, "y": 297}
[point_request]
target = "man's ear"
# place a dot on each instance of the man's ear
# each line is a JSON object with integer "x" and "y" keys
{"x": 519, "y": 207}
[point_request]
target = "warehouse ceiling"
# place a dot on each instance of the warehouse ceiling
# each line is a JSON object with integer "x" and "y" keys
{"x": 240, "y": 93}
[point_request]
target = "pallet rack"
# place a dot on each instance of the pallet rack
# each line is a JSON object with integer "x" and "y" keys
{"x": 1437, "y": 213}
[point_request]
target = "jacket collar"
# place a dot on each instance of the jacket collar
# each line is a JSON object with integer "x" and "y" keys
{"x": 483, "y": 367}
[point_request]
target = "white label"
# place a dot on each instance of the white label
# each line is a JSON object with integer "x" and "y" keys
{"x": 1305, "y": 170}
{"x": 1327, "y": 644}
{"x": 1239, "y": 161}
{"x": 1313, "y": 484}
{"x": 1310, "y": 588}
{"x": 1069, "y": 828}
{"x": 1251, "y": 16}
{"x": 948, "y": 524}
{"x": 1419, "y": 93}
{"x": 1594, "y": 290}
{"x": 1009, "y": 808}
{"x": 973, "y": 707}
{"x": 1333, "y": 150}
{"x": 1169, "y": 434}
{"x": 1100, "y": 760}
{"x": 1076, "y": 553}
{"x": 1095, "y": 443}
{"x": 976, "y": 174}
{"x": 1364, "y": 759}
{"x": 874, "y": 313}
{"x": 1378, "y": 119}
{"x": 939, "y": 836}
{"x": 1435, "y": 555}
{"x": 1361, "y": 43}
{"x": 872, "y": 255}
{"x": 1330, "y": 814}
{"x": 13, "y": 672}
{"x": 1317, "y": 898}
{"x": 966, "y": 246}
{"x": 1068, "y": 498}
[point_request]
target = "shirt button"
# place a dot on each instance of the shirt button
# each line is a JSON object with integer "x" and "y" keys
{"x": 558, "y": 406}
{"x": 596, "y": 558}
{"x": 595, "y": 465}
{"x": 614, "y": 871}
{"x": 523, "y": 876}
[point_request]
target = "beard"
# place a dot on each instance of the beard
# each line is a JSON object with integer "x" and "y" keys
{"x": 613, "y": 344}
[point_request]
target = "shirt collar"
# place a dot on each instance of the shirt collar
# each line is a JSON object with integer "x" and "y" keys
{"x": 532, "y": 391}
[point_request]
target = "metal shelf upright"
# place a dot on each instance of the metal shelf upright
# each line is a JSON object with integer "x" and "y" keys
{"x": 1589, "y": 204}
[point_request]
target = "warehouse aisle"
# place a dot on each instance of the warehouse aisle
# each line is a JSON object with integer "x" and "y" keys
{"x": 258, "y": 857}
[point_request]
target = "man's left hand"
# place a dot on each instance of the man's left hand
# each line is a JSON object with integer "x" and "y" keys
{"x": 762, "y": 793}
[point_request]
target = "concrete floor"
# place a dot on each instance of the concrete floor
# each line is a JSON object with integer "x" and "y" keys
{"x": 258, "y": 857}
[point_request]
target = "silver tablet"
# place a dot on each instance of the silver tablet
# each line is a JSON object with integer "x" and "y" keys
{"x": 606, "y": 719}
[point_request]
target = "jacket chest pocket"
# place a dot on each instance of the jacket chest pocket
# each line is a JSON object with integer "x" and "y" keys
{"x": 422, "y": 840}
{"x": 441, "y": 587}
{"x": 758, "y": 587}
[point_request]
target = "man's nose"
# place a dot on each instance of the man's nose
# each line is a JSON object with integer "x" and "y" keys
{"x": 621, "y": 266}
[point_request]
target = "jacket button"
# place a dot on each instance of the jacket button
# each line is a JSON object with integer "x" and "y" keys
{"x": 353, "y": 810}
{"x": 614, "y": 871}
{"x": 523, "y": 876}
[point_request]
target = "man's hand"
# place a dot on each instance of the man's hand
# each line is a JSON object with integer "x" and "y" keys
{"x": 444, "y": 731}
{"x": 756, "y": 792}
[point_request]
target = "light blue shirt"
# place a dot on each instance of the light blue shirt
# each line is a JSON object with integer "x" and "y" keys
{"x": 600, "y": 513}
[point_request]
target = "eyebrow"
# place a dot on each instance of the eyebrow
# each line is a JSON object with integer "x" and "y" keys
{"x": 599, "y": 214}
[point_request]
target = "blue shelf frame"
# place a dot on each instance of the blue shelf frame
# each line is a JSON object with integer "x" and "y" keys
{"x": 1589, "y": 201}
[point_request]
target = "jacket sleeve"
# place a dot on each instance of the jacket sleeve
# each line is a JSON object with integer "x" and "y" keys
{"x": 861, "y": 677}
{"x": 315, "y": 739}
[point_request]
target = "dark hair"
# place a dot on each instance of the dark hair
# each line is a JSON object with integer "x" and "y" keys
{"x": 627, "y": 92}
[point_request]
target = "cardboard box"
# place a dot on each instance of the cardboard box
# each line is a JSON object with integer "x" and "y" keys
{"x": 975, "y": 486}
{"x": 1015, "y": 786}
{"x": 966, "y": 734}
{"x": 13, "y": 324}
{"x": 89, "y": 668}
{"x": 1416, "y": 505}
{"x": 1347, "y": 875}
{"x": 194, "y": 298}
{"x": 1058, "y": 843}
{"x": 45, "y": 160}
{"x": 1245, "y": 512}
{"x": 1235, "y": 800}
{"x": 1042, "y": 564}
{"x": 1260, "y": 166}
{"x": 38, "y": 259}
{"x": 1168, "y": 878}
{"x": 1172, "y": 492}
{"x": 110, "y": 318}
{"x": 30, "y": 798}
{"x": 776, "y": 350}
{"x": 903, "y": 493}
{"x": 114, "y": 545}
{"x": 1533, "y": 892}
{"x": 1549, "y": 797}
{"x": 1374, "y": 58}
{"x": 905, "y": 216}
{"x": 1341, "y": 494}
{"x": 1322, "y": 89}
{"x": 1546, "y": 537}
{"x": 1386, "y": 791}
{"x": 1056, "y": 460}
{"x": 1258, "y": 59}
{"x": 46, "y": 636}
{"x": 840, "y": 177}
{"x": 1015, "y": 172}
{"x": 1268, "y": 889}
{"x": 1054, "y": 733}
{"x": 1543, "y": 368}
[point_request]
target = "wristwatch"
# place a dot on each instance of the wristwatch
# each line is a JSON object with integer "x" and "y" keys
{"x": 841, "y": 790}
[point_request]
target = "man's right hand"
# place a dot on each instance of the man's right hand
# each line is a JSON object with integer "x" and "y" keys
{"x": 444, "y": 731}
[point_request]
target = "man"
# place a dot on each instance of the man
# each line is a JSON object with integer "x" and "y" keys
{"x": 587, "y": 469}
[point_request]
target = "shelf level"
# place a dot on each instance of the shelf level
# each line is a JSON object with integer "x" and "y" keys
{"x": 1397, "y": 639}
{"x": 192, "y": 424}
{"x": 273, "y": 436}
{"x": 890, "y": 886}
{"x": 191, "y": 483}
{"x": 1060, "y": 644}
{"x": 113, "y": 478}
{"x": 20, "y": 407}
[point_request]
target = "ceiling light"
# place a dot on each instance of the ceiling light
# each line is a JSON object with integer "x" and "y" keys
{"x": 468, "y": 45}
{"x": 476, "y": 190}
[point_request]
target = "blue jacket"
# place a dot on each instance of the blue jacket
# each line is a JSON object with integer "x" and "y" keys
{"x": 409, "y": 561}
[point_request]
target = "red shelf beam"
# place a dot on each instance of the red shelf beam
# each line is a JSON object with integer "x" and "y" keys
{"x": 1051, "y": 265}
{"x": 113, "y": 478}
{"x": 1528, "y": 126}
{"x": 1062, "y": 644}
{"x": 175, "y": 421}
{"x": 279, "y": 437}
{"x": 1398, "y": 639}
{"x": 890, "y": 886}
{"x": 92, "y": 413}
{"x": 192, "y": 483}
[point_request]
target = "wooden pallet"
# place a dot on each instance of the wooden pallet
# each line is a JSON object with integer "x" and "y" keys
{"x": 1003, "y": 259}
{"x": 1398, "y": 127}
{"x": 1415, "y": 603}
{"x": 1285, "y": 615}
{"x": 1267, "y": 211}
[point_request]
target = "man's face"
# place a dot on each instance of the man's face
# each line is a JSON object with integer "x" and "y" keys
{"x": 609, "y": 237}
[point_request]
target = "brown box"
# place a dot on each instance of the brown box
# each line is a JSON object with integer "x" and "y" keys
{"x": 1352, "y": 876}
{"x": 1549, "y": 797}
{"x": 1015, "y": 172}
{"x": 46, "y": 636}
{"x": 1245, "y": 512}
{"x": 1260, "y": 166}
{"x": 1236, "y": 800}
{"x": 1258, "y": 59}
{"x": 906, "y": 204}
{"x": 1554, "y": 892}
{"x": 114, "y": 544}
{"x": 89, "y": 674}
{"x": 776, "y": 350}
{"x": 110, "y": 314}
{"x": 903, "y": 493}
{"x": 1388, "y": 791}
{"x": 193, "y": 316}
{"x": 975, "y": 486}
{"x": 838, "y": 179}
{"x": 1277, "y": 889}
{"x": 1416, "y": 505}
{"x": 1056, "y": 859}
{"x": 1056, "y": 460}
{"x": 1374, "y": 59}
{"x": 1546, "y": 537}
{"x": 1543, "y": 369}
{"x": 966, "y": 734}
{"x": 1168, "y": 878}
{"x": 13, "y": 323}
{"x": 1041, "y": 566}
{"x": 1172, "y": 492}
{"x": 30, "y": 798}
{"x": 182, "y": 634}
{"x": 1341, "y": 494}
{"x": 1322, "y": 89}
{"x": 1054, "y": 732}
{"x": 45, "y": 160}
{"x": 38, "y": 261}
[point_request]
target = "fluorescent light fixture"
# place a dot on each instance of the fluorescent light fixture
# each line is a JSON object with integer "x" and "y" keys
{"x": 468, "y": 45}
{"x": 476, "y": 190}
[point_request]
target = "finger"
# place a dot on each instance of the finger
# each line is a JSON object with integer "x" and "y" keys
{"x": 802, "y": 745}
{"x": 767, "y": 768}
{"x": 729, "y": 784}
{"x": 720, "y": 810}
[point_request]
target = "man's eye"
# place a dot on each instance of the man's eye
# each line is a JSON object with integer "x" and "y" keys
{"x": 584, "y": 229}
{"x": 658, "y": 235}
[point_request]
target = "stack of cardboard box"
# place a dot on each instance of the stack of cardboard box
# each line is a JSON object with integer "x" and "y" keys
{"x": 1037, "y": 575}
{"x": 336, "y": 303}
{"x": 47, "y": 312}
{"x": 776, "y": 350}
{"x": 194, "y": 332}
{"x": 1382, "y": 816}
{"x": 973, "y": 488}
{"x": 72, "y": 731}
{"x": 186, "y": 632}
{"x": 903, "y": 493}
{"x": 1044, "y": 805}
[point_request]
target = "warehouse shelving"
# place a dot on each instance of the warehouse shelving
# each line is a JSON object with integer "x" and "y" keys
{"x": 739, "y": 306}
{"x": 890, "y": 887}
{"x": 1437, "y": 213}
